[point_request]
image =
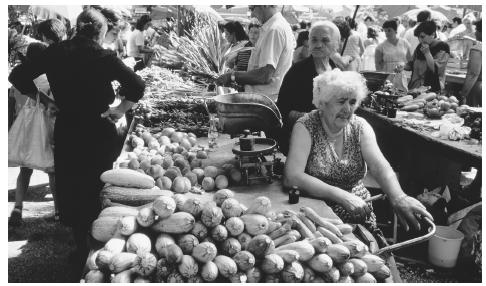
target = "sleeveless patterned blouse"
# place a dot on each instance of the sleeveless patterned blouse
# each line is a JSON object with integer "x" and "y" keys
{"x": 346, "y": 172}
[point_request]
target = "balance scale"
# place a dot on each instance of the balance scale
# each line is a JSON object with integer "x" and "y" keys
{"x": 257, "y": 164}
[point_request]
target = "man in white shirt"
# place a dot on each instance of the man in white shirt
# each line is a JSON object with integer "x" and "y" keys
{"x": 422, "y": 16}
{"x": 271, "y": 58}
{"x": 136, "y": 42}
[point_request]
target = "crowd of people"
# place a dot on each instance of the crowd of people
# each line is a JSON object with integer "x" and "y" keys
{"x": 310, "y": 71}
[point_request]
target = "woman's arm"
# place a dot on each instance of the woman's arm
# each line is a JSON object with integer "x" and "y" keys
{"x": 377, "y": 164}
{"x": 342, "y": 62}
{"x": 361, "y": 46}
{"x": 473, "y": 71}
{"x": 406, "y": 207}
{"x": 429, "y": 59}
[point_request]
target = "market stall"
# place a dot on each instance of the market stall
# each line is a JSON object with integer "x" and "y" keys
{"x": 313, "y": 239}
{"x": 436, "y": 139}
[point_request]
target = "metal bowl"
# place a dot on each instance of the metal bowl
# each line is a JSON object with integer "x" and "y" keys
{"x": 240, "y": 111}
{"x": 375, "y": 79}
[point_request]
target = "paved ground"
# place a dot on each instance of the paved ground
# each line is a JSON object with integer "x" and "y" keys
{"x": 38, "y": 250}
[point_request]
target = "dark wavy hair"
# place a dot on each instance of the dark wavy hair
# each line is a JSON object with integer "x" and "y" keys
{"x": 427, "y": 27}
{"x": 52, "y": 29}
{"x": 234, "y": 27}
{"x": 372, "y": 32}
{"x": 90, "y": 23}
{"x": 253, "y": 25}
{"x": 302, "y": 37}
{"x": 142, "y": 21}
{"x": 343, "y": 27}
{"x": 390, "y": 24}
{"x": 423, "y": 16}
{"x": 457, "y": 20}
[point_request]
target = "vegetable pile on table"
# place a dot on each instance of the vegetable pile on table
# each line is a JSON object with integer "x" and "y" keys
{"x": 153, "y": 234}
{"x": 171, "y": 101}
{"x": 167, "y": 160}
{"x": 180, "y": 239}
{"x": 472, "y": 118}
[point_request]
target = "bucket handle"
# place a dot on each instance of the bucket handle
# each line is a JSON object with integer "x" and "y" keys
{"x": 431, "y": 228}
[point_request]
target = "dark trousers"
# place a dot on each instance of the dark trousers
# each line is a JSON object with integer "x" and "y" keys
{"x": 84, "y": 150}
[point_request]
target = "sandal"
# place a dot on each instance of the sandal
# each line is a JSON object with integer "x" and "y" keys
{"x": 15, "y": 217}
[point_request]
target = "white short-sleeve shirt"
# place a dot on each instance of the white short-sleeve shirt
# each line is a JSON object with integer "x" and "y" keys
{"x": 135, "y": 39}
{"x": 411, "y": 39}
{"x": 274, "y": 47}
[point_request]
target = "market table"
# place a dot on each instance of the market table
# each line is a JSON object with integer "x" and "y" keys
{"x": 403, "y": 146}
{"x": 246, "y": 193}
{"x": 221, "y": 155}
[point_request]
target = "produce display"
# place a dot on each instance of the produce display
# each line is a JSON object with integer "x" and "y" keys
{"x": 472, "y": 119}
{"x": 203, "y": 50}
{"x": 168, "y": 160}
{"x": 172, "y": 101}
{"x": 177, "y": 239}
{"x": 433, "y": 106}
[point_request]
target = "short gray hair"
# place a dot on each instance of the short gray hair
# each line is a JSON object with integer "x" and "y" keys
{"x": 336, "y": 82}
{"x": 326, "y": 24}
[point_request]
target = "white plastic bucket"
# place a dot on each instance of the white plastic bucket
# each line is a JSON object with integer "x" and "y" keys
{"x": 444, "y": 246}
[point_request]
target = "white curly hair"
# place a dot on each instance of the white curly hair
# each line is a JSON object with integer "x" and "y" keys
{"x": 336, "y": 82}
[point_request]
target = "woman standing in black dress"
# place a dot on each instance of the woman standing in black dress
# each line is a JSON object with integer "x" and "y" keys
{"x": 80, "y": 73}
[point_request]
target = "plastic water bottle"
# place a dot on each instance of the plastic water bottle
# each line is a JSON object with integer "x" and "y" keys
{"x": 213, "y": 131}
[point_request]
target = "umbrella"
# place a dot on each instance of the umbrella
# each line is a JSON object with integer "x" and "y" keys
{"x": 412, "y": 14}
{"x": 69, "y": 12}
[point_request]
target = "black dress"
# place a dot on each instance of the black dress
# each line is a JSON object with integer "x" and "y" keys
{"x": 296, "y": 94}
{"x": 80, "y": 73}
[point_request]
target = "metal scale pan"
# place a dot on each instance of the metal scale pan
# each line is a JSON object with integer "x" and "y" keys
{"x": 240, "y": 111}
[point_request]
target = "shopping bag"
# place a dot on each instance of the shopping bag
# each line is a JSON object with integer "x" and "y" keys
{"x": 30, "y": 139}
{"x": 400, "y": 81}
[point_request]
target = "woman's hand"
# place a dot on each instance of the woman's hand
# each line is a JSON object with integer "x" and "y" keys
{"x": 356, "y": 206}
{"x": 408, "y": 209}
{"x": 113, "y": 114}
{"x": 425, "y": 49}
{"x": 399, "y": 68}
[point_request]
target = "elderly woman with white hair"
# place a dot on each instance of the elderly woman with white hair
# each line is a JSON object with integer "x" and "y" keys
{"x": 331, "y": 150}
{"x": 295, "y": 95}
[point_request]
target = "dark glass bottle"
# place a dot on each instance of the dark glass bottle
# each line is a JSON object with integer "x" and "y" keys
{"x": 294, "y": 194}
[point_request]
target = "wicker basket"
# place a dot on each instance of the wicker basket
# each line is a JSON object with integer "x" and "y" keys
{"x": 374, "y": 79}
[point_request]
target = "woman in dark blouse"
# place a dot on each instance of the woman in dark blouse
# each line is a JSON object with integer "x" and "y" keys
{"x": 295, "y": 96}
{"x": 429, "y": 59}
{"x": 80, "y": 73}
